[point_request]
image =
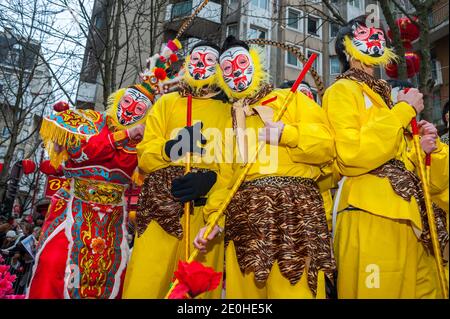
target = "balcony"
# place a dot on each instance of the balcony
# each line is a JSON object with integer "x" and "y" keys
{"x": 439, "y": 15}
{"x": 207, "y": 21}
{"x": 438, "y": 20}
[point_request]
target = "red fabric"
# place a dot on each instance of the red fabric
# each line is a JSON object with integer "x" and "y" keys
{"x": 100, "y": 151}
{"x": 48, "y": 169}
{"x": 48, "y": 281}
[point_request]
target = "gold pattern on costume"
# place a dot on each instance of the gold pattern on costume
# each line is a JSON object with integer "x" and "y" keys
{"x": 98, "y": 192}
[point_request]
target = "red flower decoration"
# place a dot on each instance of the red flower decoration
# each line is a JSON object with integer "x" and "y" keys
{"x": 98, "y": 245}
{"x": 194, "y": 279}
{"x": 28, "y": 166}
{"x": 160, "y": 73}
{"x": 61, "y": 106}
{"x": 173, "y": 58}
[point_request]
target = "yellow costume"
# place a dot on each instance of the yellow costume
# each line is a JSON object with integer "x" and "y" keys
{"x": 306, "y": 145}
{"x": 156, "y": 253}
{"x": 377, "y": 251}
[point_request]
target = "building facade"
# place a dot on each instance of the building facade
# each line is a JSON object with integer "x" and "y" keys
{"x": 25, "y": 97}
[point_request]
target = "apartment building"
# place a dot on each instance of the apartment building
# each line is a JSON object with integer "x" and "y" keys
{"x": 25, "y": 92}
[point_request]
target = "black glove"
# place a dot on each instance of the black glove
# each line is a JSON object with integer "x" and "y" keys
{"x": 186, "y": 142}
{"x": 193, "y": 185}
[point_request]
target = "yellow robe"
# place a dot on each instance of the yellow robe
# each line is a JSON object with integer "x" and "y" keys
{"x": 156, "y": 254}
{"x": 306, "y": 146}
{"x": 377, "y": 252}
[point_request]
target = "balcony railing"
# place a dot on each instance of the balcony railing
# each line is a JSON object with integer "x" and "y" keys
{"x": 439, "y": 15}
{"x": 181, "y": 9}
{"x": 211, "y": 12}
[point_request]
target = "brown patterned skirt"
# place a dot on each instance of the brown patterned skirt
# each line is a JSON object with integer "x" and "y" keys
{"x": 157, "y": 203}
{"x": 407, "y": 185}
{"x": 280, "y": 219}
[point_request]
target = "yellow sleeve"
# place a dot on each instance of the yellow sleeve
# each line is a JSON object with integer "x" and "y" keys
{"x": 306, "y": 132}
{"x": 150, "y": 150}
{"x": 218, "y": 194}
{"x": 228, "y": 170}
{"x": 363, "y": 145}
{"x": 439, "y": 168}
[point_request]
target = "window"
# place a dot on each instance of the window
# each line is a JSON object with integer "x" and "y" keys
{"x": 20, "y": 154}
{"x": 293, "y": 19}
{"x": 260, "y": 3}
{"x": 256, "y": 33}
{"x": 232, "y": 29}
{"x": 181, "y": 9}
{"x": 437, "y": 110}
{"x": 334, "y": 29}
{"x": 335, "y": 66}
{"x": 317, "y": 64}
{"x": 13, "y": 57}
{"x": 314, "y": 26}
{"x": 28, "y": 121}
{"x": 355, "y": 3}
{"x": 5, "y": 132}
{"x": 292, "y": 61}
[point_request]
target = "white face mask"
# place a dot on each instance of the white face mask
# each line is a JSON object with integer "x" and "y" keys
{"x": 237, "y": 68}
{"x": 202, "y": 62}
{"x": 369, "y": 41}
{"x": 132, "y": 106}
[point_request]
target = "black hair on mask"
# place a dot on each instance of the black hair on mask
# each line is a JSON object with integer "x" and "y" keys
{"x": 205, "y": 43}
{"x": 231, "y": 42}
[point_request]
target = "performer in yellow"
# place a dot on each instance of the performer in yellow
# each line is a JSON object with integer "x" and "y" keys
{"x": 382, "y": 243}
{"x": 159, "y": 244}
{"x": 277, "y": 242}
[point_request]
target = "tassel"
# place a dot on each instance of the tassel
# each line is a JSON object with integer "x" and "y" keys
{"x": 52, "y": 134}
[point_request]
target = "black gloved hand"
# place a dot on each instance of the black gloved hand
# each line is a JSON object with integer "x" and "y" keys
{"x": 186, "y": 142}
{"x": 193, "y": 185}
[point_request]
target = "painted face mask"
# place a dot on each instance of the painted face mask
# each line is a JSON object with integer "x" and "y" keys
{"x": 132, "y": 107}
{"x": 237, "y": 68}
{"x": 305, "y": 90}
{"x": 370, "y": 41}
{"x": 202, "y": 63}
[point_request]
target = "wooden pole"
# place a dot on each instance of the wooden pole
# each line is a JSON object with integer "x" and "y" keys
{"x": 429, "y": 209}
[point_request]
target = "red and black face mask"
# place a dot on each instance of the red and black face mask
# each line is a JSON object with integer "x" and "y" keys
{"x": 202, "y": 62}
{"x": 369, "y": 41}
{"x": 132, "y": 107}
{"x": 237, "y": 68}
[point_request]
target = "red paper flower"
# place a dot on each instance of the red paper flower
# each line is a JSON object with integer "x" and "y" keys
{"x": 194, "y": 279}
{"x": 160, "y": 73}
{"x": 173, "y": 58}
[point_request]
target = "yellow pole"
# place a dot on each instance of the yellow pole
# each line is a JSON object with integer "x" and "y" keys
{"x": 249, "y": 164}
{"x": 430, "y": 212}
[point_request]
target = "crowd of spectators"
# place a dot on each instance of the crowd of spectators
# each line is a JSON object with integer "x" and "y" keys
{"x": 18, "y": 237}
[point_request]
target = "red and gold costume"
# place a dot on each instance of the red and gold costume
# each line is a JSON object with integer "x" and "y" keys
{"x": 83, "y": 250}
